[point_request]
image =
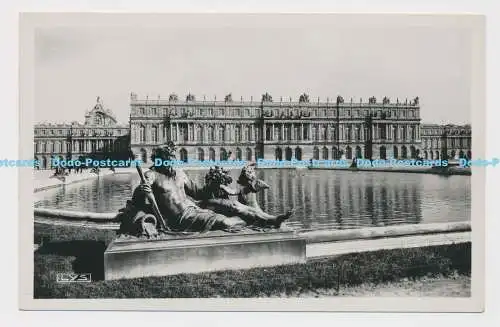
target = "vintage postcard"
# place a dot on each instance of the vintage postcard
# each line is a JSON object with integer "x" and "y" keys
{"x": 252, "y": 162}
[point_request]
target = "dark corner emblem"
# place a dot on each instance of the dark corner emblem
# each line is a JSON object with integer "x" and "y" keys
{"x": 73, "y": 278}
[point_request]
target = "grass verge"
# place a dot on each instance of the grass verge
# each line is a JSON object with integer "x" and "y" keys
{"x": 70, "y": 249}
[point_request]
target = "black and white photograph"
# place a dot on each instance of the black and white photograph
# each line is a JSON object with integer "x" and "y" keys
{"x": 274, "y": 157}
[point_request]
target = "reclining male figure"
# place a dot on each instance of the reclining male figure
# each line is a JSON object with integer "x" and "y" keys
{"x": 171, "y": 188}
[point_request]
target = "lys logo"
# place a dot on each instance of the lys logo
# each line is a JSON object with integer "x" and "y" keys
{"x": 73, "y": 278}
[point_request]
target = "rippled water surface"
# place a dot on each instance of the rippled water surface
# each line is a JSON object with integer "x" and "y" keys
{"x": 322, "y": 199}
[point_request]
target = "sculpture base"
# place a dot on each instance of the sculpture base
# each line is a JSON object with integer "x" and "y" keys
{"x": 133, "y": 258}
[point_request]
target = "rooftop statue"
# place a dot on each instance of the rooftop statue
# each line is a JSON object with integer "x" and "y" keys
{"x": 304, "y": 98}
{"x": 267, "y": 97}
{"x": 173, "y": 97}
{"x": 168, "y": 201}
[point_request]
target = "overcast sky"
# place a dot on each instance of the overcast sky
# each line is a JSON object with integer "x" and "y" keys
{"x": 321, "y": 55}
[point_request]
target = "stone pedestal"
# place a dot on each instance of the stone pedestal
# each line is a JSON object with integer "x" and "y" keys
{"x": 133, "y": 258}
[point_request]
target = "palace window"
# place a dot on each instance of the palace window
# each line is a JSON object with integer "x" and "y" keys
{"x": 358, "y": 134}
{"x": 142, "y": 134}
{"x": 199, "y": 133}
{"x": 382, "y": 132}
{"x": 249, "y": 154}
{"x": 247, "y": 112}
{"x": 222, "y": 133}
{"x": 154, "y": 132}
{"x": 238, "y": 134}
{"x": 248, "y": 133}
{"x": 141, "y": 111}
{"x": 288, "y": 132}
{"x": 333, "y": 133}
{"x": 315, "y": 132}
{"x": 297, "y": 132}
{"x": 325, "y": 132}
{"x": 175, "y": 132}
{"x": 153, "y": 111}
{"x": 305, "y": 133}
{"x": 348, "y": 133}
{"x": 211, "y": 133}
{"x": 279, "y": 132}
{"x": 184, "y": 132}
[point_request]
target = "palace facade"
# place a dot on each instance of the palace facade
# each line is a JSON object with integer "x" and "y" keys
{"x": 282, "y": 130}
{"x": 451, "y": 142}
{"x": 100, "y": 136}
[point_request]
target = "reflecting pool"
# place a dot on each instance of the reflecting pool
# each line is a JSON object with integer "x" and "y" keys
{"x": 322, "y": 199}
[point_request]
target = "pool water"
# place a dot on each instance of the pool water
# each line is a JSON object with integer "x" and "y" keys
{"x": 321, "y": 199}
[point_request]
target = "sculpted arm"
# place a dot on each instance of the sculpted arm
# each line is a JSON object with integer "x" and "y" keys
{"x": 229, "y": 190}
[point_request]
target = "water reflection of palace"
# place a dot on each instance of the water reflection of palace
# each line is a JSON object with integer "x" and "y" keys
{"x": 342, "y": 201}
{"x": 322, "y": 199}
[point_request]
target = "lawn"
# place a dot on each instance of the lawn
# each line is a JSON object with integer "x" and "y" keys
{"x": 71, "y": 249}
